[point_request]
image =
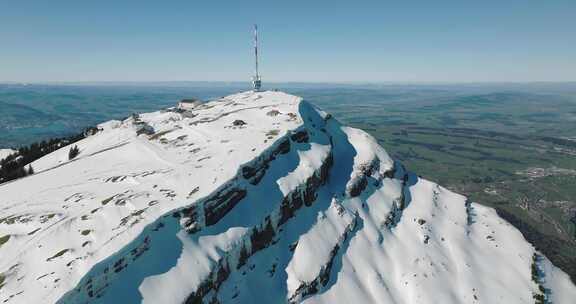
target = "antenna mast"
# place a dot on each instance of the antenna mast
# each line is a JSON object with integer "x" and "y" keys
{"x": 256, "y": 82}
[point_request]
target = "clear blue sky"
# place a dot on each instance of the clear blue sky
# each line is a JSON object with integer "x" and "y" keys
{"x": 488, "y": 40}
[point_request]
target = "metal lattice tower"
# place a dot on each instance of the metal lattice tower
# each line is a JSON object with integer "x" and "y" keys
{"x": 256, "y": 81}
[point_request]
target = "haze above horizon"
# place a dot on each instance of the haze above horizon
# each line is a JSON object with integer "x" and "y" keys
{"x": 320, "y": 41}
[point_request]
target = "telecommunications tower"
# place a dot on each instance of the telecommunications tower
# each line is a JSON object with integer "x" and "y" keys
{"x": 256, "y": 82}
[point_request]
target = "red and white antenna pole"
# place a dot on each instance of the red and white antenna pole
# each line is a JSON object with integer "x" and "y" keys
{"x": 256, "y": 82}
{"x": 256, "y": 47}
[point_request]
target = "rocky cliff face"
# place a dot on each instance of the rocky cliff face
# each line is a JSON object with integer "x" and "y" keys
{"x": 253, "y": 198}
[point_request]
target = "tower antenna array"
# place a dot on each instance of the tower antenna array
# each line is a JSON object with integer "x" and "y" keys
{"x": 256, "y": 81}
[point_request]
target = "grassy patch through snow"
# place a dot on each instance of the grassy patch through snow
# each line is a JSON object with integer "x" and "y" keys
{"x": 4, "y": 239}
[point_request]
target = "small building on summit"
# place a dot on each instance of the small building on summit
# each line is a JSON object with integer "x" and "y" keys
{"x": 189, "y": 103}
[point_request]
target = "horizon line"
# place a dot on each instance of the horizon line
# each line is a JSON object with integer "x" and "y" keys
{"x": 248, "y": 83}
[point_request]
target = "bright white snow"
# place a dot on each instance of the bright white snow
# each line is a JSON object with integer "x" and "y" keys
{"x": 143, "y": 214}
{"x": 5, "y": 152}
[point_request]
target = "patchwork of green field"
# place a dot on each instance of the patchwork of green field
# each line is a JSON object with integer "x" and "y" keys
{"x": 513, "y": 149}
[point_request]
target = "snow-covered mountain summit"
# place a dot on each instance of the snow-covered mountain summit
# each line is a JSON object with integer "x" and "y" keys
{"x": 253, "y": 198}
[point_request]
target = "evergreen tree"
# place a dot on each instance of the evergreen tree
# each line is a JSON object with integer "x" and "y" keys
{"x": 14, "y": 165}
{"x": 74, "y": 151}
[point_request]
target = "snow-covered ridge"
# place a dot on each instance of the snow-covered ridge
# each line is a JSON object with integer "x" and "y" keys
{"x": 252, "y": 192}
{"x": 5, "y": 153}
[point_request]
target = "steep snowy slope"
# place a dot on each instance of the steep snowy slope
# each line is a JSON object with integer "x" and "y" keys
{"x": 253, "y": 198}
